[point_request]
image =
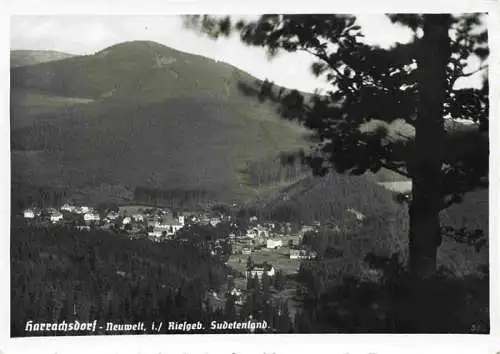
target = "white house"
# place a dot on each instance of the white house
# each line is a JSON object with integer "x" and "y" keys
{"x": 29, "y": 214}
{"x": 167, "y": 226}
{"x": 274, "y": 244}
{"x": 215, "y": 221}
{"x": 259, "y": 270}
{"x": 68, "y": 207}
{"x": 174, "y": 228}
{"x": 170, "y": 228}
{"x": 91, "y": 217}
{"x": 270, "y": 225}
{"x": 82, "y": 209}
{"x": 252, "y": 233}
{"x": 162, "y": 226}
{"x": 155, "y": 233}
{"x": 194, "y": 218}
{"x": 56, "y": 217}
{"x": 138, "y": 217}
{"x": 270, "y": 272}
{"x": 302, "y": 254}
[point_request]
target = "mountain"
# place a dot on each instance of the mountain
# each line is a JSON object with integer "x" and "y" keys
{"x": 139, "y": 70}
{"x": 31, "y": 57}
{"x": 139, "y": 114}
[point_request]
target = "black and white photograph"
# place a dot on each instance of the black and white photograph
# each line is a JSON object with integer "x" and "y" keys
{"x": 249, "y": 174}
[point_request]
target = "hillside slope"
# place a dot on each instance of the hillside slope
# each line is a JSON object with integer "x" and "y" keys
{"x": 31, "y": 57}
{"x": 140, "y": 114}
{"x": 327, "y": 198}
{"x": 182, "y": 143}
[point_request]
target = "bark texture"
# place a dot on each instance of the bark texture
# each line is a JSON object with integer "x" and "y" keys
{"x": 427, "y": 197}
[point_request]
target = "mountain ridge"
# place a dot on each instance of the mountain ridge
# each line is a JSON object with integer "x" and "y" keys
{"x": 26, "y": 57}
{"x": 144, "y": 68}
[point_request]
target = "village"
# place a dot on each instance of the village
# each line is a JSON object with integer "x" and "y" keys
{"x": 159, "y": 224}
{"x": 251, "y": 248}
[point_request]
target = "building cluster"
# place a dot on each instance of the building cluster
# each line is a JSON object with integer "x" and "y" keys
{"x": 159, "y": 224}
{"x": 260, "y": 235}
{"x": 271, "y": 236}
{"x": 153, "y": 223}
{"x": 65, "y": 212}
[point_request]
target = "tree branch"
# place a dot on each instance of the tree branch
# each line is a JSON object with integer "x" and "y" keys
{"x": 324, "y": 58}
{"x": 475, "y": 71}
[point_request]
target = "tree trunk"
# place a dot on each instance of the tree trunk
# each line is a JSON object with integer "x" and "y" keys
{"x": 429, "y": 143}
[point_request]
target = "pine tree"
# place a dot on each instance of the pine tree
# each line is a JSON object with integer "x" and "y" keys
{"x": 230, "y": 308}
{"x": 387, "y": 107}
{"x": 279, "y": 281}
{"x": 250, "y": 263}
{"x": 285, "y": 325}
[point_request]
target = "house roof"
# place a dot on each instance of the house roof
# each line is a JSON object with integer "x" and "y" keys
{"x": 263, "y": 266}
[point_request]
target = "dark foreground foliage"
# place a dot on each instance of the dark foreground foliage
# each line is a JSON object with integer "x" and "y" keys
{"x": 59, "y": 274}
{"x": 388, "y": 300}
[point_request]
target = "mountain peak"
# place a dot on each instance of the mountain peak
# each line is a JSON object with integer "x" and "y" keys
{"x": 139, "y": 46}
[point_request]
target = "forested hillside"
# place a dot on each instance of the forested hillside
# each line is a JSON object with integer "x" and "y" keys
{"x": 327, "y": 198}
{"x": 61, "y": 274}
{"x": 142, "y": 115}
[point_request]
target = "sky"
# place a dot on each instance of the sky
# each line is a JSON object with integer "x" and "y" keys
{"x": 87, "y": 34}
